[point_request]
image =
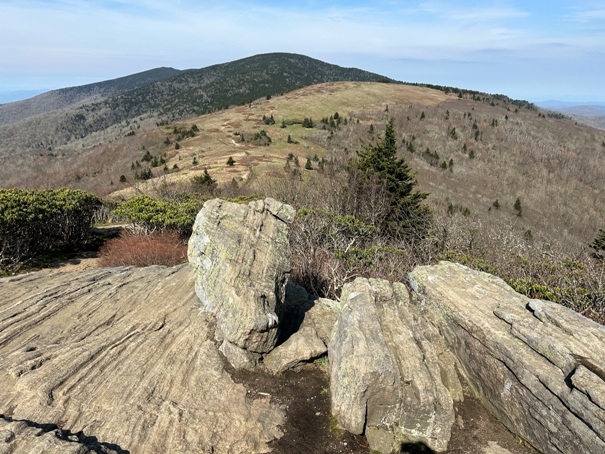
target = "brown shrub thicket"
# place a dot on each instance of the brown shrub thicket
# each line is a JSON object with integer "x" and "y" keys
{"x": 330, "y": 249}
{"x": 158, "y": 248}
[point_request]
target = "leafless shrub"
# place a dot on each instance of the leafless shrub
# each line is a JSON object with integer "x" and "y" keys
{"x": 144, "y": 250}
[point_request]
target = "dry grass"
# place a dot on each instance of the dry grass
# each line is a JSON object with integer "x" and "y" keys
{"x": 554, "y": 166}
{"x": 143, "y": 250}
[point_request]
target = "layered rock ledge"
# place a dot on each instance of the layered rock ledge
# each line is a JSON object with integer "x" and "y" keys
{"x": 385, "y": 375}
{"x": 537, "y": 366}
{"x": 124, "y": 358}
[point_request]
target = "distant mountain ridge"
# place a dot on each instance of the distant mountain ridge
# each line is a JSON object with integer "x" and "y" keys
{"x": 586, "y": 109}
{"x": 65, "y": 97}
{"x": 198, "y": 91}
{"x": 19, "y": 95}
{"x": 160, "y": 94}
{"x": 588, "y": 113}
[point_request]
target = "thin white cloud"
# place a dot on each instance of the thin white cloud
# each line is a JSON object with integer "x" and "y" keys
{"x": 451, "y": 11}
{"x": 111, "y": 38}
{"x": 587, "y": 15}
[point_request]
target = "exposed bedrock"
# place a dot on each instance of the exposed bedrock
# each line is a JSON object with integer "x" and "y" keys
{"x": 538, "y": 366}
{"x": 385, "y": 374}
{"x": 241, "y": 257}
{"x": 120, "y": 359}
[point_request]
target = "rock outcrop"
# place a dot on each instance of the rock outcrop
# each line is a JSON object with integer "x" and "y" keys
{"x": 241, "y": 257}
{"x": 119, "y": 360}
{"x": 538, "y": 366}
{"x": 123, "y": 360}
{"x": 385, "y": 378}
{"x": 306, "y": 329}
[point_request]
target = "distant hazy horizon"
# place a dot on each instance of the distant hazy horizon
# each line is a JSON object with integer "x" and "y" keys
{"x": 526, "y": 50}
{"x": 551, "y": 102}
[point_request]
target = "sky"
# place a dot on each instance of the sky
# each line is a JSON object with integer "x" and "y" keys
{"x": 533, "y": 49}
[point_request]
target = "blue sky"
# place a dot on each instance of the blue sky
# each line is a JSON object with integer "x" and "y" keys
{"x": 535, "y": 50}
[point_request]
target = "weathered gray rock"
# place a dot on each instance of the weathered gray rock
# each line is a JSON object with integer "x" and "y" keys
{"x": 123, "y": 355}
{"x": 385, "y": 378}
{"x": 322, "y": 316}
{"x": 536, "y": 365}
{"x": 303, "y": 310}
{"x": 304, "y": 345}
{"x": 241, "y": 258}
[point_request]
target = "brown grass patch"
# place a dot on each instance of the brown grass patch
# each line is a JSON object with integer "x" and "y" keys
{"x": 157, "y": 248}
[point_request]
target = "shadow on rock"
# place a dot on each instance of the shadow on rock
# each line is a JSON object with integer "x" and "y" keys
{"x": 415, "y": 448}
{"x": 91, "y": 442}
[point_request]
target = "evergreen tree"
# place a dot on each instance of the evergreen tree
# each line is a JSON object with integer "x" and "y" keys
{"x": 407, "y": 217}
{"x": 230, "y": 161}
{"x": 599, "y": 245}
{"x": 147, "y": 157}
{"x": 204, "y": 182}
{"x": 517, "y": 207}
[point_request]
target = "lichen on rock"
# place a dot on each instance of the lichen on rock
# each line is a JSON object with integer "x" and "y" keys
{"x": 241, "y": 257}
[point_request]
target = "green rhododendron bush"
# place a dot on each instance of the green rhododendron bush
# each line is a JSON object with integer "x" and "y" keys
{"x": 34, "y": 222}
{"x": 147, "y": 215}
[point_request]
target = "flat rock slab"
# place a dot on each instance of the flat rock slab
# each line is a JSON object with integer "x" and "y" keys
{"x": 537, "y": 366}
{"x": 124, "y": 357}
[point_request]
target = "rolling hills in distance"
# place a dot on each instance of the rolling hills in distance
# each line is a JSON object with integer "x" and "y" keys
{"x": 588, "y": 113}
{"x": 475, "y": 153}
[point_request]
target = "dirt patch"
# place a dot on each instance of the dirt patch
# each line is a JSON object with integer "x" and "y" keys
{"x": 304, "y": 394}
{"x": 309, "y": 428}
{"x": 84, "y": 261}
{"x": 477, "y": 431}
{"x": 77, "y": 260}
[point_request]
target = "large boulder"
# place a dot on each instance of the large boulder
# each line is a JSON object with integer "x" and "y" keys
{"x": 537, "y": 366}
{"x": 385, "y": 374}
{"x": 120, "y": 360}
{"x": 241, "y": 257}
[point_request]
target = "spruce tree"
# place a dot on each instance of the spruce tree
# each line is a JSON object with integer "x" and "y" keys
{"x": 517, "y": 207}
{"x": 599, "y": 245}
{"x": 205, "y": 183}
{"x": 408, "y": 218}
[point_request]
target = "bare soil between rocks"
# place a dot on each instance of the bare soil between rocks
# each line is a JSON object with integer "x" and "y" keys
{"x": 309, "y": 428}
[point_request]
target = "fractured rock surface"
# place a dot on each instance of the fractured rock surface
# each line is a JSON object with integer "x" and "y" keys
{"x": 385, "y": 378}
{"x": 241, "y": 257}
{"x": 302, "y": 346}
{"x": 536, "y": 365}
{"x": 121, "y": 357}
